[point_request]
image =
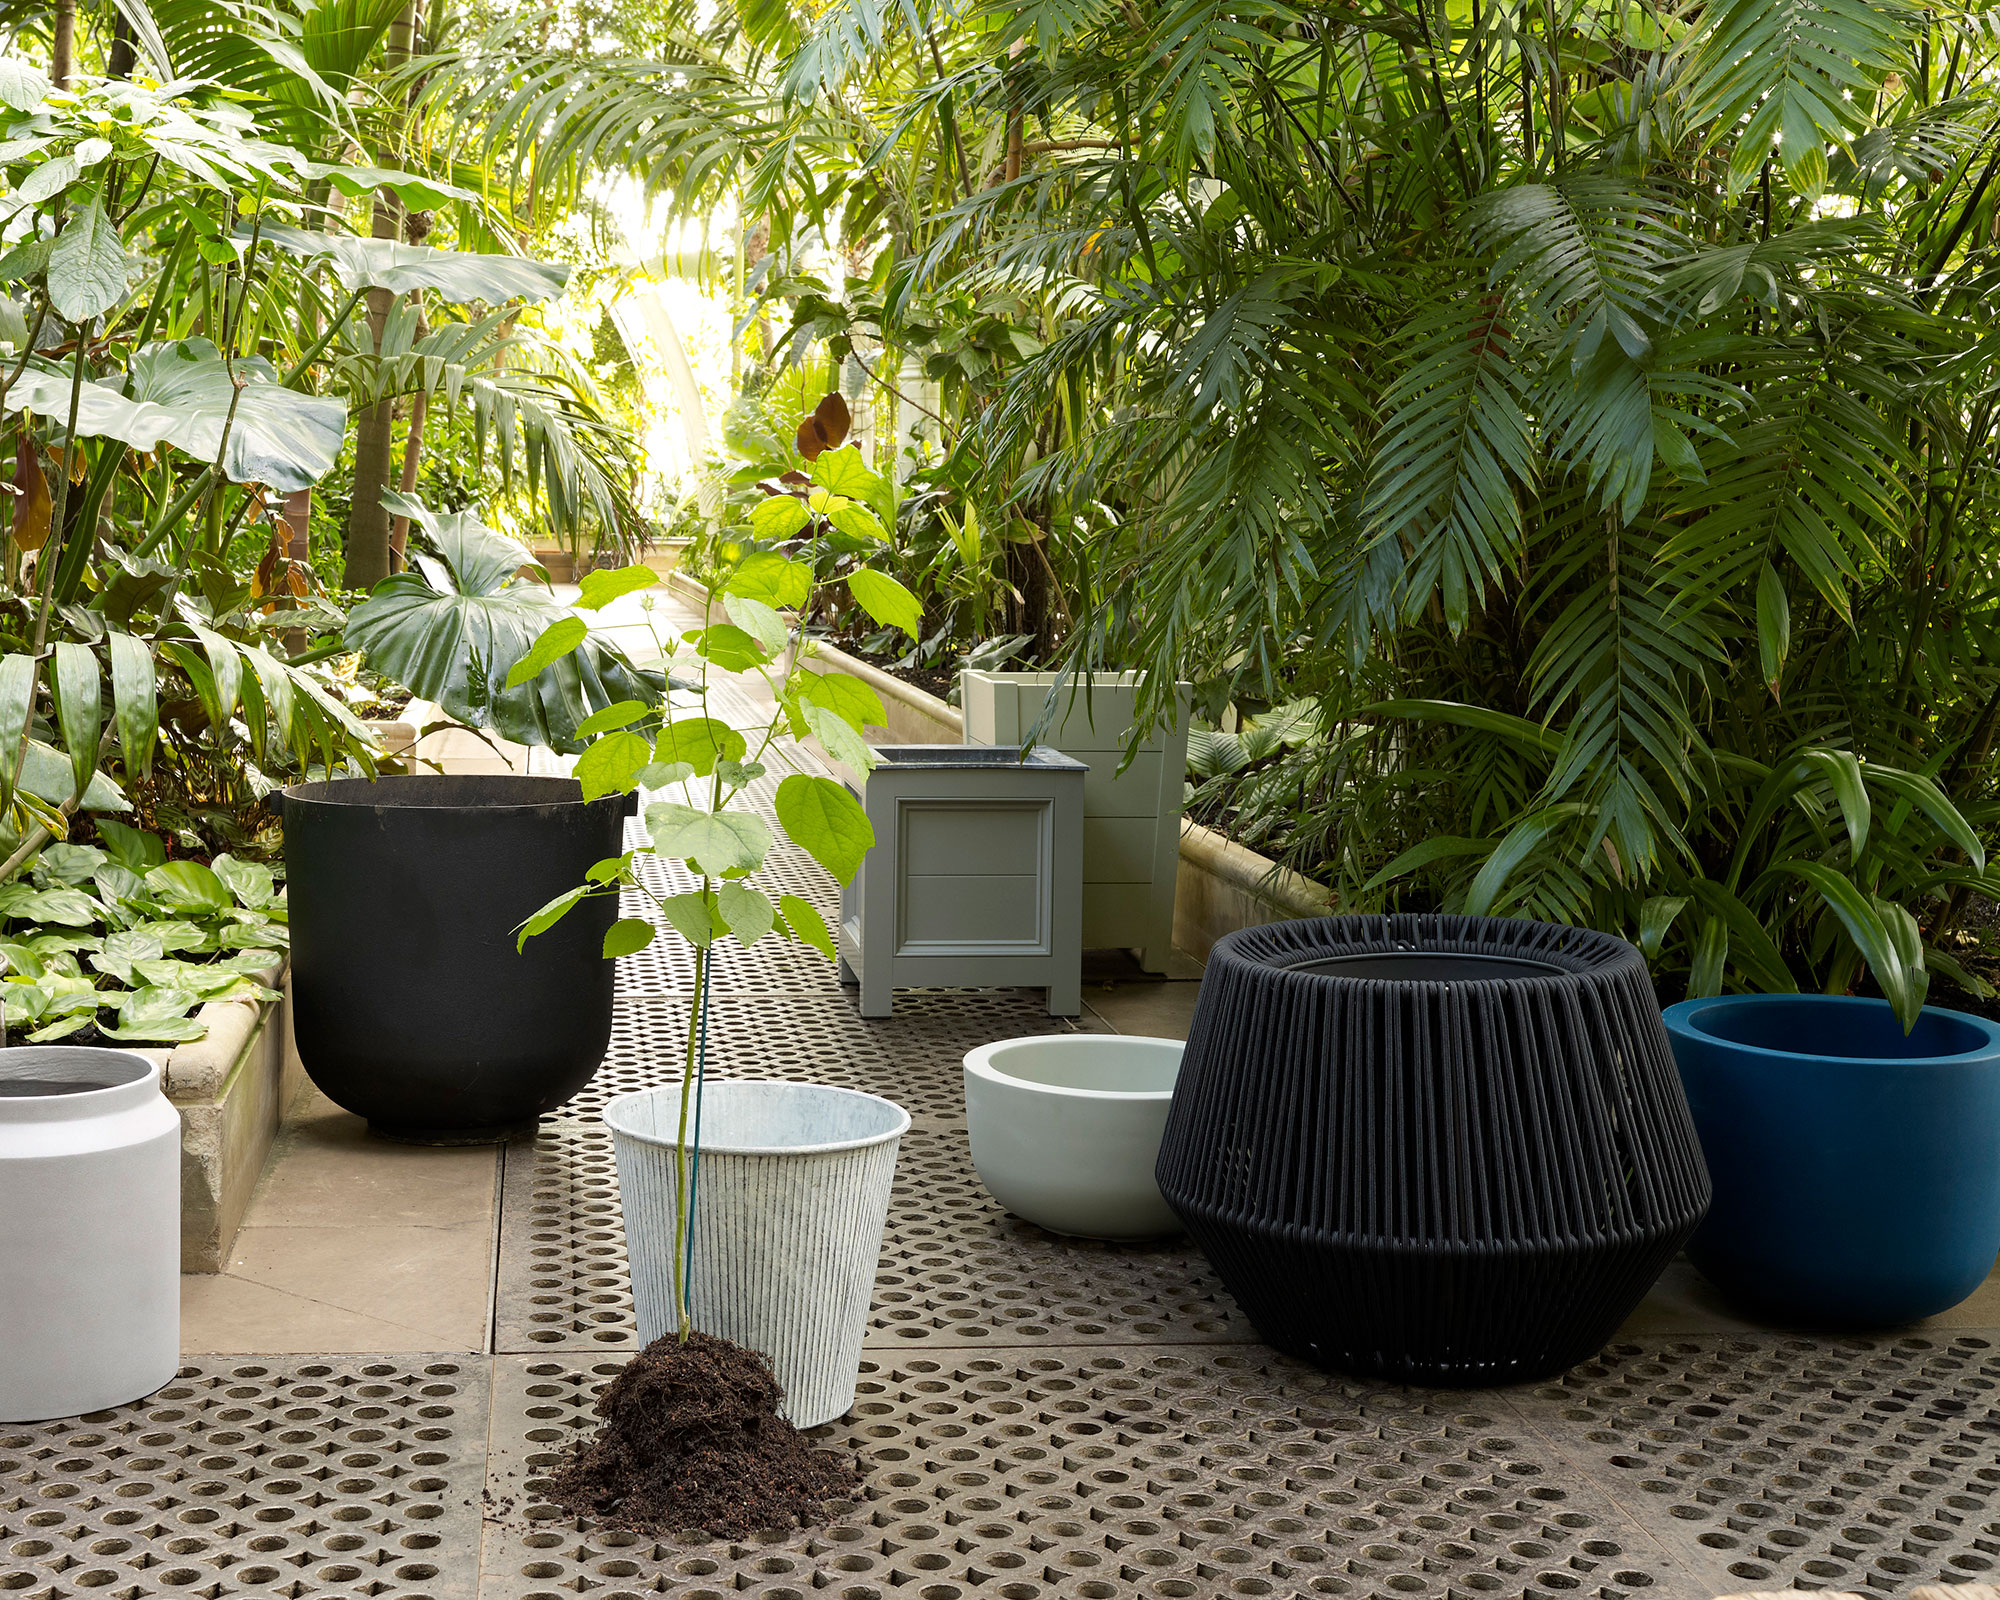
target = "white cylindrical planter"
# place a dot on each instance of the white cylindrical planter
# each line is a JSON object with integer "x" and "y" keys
{"x": 788, "y": 1217}
{"x": 1066, "y": 1130}
{"x": 90, "y": 1244}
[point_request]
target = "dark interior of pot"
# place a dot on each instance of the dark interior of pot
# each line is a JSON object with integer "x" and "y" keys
{"x": 1808, "y": 1026}
{"x": 443, "y": 791}
{"x": 35, "y": 1071}
{"x": 1429, "y": 966}
{"x": 967, "y": 755}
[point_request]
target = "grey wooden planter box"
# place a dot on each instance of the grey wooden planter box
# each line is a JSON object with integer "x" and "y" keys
{"x": 974, "y": 878}
{"x": 1131, "y": 819}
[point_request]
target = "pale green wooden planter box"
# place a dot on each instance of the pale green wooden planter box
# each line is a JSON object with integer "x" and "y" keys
{"x": 1131, "y": 820}
{"x": 973, "y": 877}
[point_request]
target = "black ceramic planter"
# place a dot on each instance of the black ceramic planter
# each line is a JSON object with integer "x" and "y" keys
{"x": 410, "y": 1003}
{"x": 1449, "y": 1150}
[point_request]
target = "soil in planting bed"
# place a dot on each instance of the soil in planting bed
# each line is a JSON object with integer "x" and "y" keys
{"x": 939, "y": 681}
{"x": 692, "y": 1441}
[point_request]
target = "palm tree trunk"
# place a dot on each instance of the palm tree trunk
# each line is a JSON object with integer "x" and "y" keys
{"x": 413, "y": 450}
{"x": 124, "y": 55}
{"x": 368, "y": 547}
{"x": 62, "y": 50}
{"x": 367, "y": 517}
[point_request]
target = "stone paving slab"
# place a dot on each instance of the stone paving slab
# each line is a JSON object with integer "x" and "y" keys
{"x": 341, "y": 1476}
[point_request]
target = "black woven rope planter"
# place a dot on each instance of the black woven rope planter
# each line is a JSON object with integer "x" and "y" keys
{"x": 1449, "y": 1150}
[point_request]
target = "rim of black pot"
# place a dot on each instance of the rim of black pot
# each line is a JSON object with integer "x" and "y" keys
{"x": 1518, "y": 969}
{"x": 1547, "y": 952}
{"x": 408, "y": 790}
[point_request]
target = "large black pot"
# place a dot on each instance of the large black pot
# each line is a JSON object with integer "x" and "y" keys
{"x": 1450, "y": 1150}
{"x": 411, "y": 1005}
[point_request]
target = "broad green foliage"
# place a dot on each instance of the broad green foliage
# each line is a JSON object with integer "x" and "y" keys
{"x": 1596, "y": 422}
{"x": 127, "y": 941}
{"x": 1590, "y": 407}
{"x": 175, "y": 360}
{"x": 463, "y": 629}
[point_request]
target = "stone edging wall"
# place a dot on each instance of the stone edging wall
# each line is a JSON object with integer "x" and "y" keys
{"x": 234, "y": 1089}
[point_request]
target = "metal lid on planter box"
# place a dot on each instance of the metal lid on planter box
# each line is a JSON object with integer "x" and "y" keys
{"x": 1042, "y": 758}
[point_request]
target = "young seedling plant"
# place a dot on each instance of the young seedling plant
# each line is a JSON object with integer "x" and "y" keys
{"x": 700, "y": 766}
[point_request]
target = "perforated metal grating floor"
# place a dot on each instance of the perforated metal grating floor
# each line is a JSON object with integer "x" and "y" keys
{"x": 341, "y": 1476}
{"x": 1040, "y": 1418}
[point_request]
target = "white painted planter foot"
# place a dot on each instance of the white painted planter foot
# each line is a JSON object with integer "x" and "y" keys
{"x": 1066, "y": 1130}
{"x": 90, "y": 1187}
{"x": 788, "y": 1220}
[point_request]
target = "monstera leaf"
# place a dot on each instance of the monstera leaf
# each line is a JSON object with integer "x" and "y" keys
{"x": 458, "y": 275}
{"x": 452, "y": 629}
{"x": 180, "y": 396}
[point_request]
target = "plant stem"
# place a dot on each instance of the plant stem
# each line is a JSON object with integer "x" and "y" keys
{"x": 683, "y": 1319}
{"x": 45, "y": 568}
{"x": 340, "y": 317}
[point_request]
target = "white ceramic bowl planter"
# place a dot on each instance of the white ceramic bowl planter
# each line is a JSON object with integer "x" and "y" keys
{"x": 90, "y": 1245}
{"x": 788, "y": 1220}
{"x": 1066, "y": 1130}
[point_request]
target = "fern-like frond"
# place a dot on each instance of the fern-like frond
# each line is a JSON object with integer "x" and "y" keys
{"x": 1455, "y": 450}
{"x": 1786, "y": 79}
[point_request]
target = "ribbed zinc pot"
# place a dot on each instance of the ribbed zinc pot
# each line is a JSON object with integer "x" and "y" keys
{"x": 1856, "y": 1167}
{"x": 90, "y": 1245}
{"x": 411, "y": 1003}
{"x": 788, "y": 1215}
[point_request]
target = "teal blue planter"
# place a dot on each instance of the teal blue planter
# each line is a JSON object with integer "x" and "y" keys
{"x": 1856, "y": 1169}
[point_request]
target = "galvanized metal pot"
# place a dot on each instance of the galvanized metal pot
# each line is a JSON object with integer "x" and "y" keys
{"x": 790, "y": 1202}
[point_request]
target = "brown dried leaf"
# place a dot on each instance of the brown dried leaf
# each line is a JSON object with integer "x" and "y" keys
{"x": 265, "y": 578}
{"x": 832, "y": 416}
{"x": 32, "y": 506}
{"x": 811, "y": 440}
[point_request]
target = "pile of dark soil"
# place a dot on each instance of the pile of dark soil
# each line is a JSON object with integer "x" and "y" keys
{"x": 692, "y": 1440}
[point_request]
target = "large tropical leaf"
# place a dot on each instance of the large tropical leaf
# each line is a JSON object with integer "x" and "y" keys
{"x": 685, "y": 124}
{"x": 1455, "y": 454}
{"x": 252, "y": 48}
{"x": 457, "y": 275}
{"x": 180, "y": 396}
{"x": 453, "y": 628}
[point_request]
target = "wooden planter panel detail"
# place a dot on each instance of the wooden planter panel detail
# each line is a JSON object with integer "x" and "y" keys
{"x": 1131, "y": 819}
